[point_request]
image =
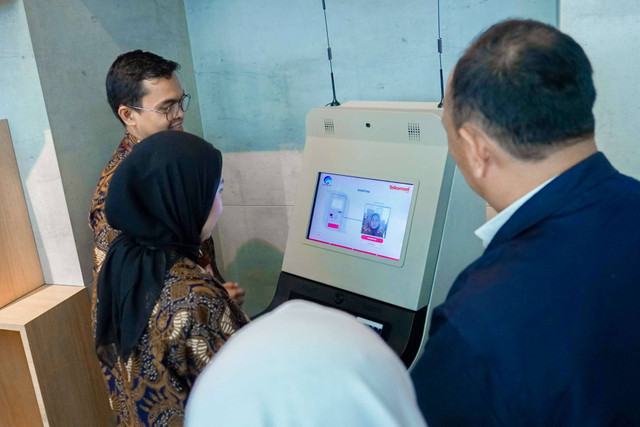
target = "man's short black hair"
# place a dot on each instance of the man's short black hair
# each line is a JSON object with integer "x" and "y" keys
{"x": 528, "y": 85}
{"x": 124, "y": 79}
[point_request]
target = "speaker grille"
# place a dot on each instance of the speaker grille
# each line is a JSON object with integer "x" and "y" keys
{"x": 413, "y": 131}
{"x": 329, "y": 127}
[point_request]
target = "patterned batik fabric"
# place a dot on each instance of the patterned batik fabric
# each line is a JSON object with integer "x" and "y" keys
{"x": 207, "y": 256}
{"x": 192, "y": 319}
{"x": 103, "y": 234}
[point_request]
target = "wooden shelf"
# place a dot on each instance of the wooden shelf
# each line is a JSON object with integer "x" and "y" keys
{"x": 20, "y": 270}
{"x": 49, "y": 374}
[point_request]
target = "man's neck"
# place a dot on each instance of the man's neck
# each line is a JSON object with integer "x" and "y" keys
{"x": 519, "y": 177}
{"x": 132, "y": 131}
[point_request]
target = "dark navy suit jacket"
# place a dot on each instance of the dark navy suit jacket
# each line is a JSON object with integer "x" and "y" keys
{"x": 544, "y": 328}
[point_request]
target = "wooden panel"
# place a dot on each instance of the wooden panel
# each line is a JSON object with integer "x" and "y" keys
{"x": 20, "y": 270}
{"x": 33, "y": 305}
{"x": 17, "y": 396}
{"x": 68, "y": 372}
{"x": 46, "y": 345}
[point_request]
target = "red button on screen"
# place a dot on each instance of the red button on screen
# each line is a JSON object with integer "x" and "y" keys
{"x": 372, "y": 238}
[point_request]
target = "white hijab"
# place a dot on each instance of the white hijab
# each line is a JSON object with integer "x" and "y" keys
{"x": 304, "y": 365}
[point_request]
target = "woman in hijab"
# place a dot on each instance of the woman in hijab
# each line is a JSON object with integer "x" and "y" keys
{"x": 160, "y": 316}
{"x": 305, "y": 365}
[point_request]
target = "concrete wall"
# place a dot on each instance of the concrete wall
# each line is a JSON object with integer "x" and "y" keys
{"x": 261, "y": 66}
{"x": 609, "y": 33}
{"x": 74, "y": 42}
{"x": 255, "y": 69}
{"x": 22, "y": 103}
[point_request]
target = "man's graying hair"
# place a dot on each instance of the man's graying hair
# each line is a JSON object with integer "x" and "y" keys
{"x": 528, "y": 85}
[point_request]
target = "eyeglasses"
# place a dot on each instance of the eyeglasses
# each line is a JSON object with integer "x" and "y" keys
{"x": 172, "y": 110}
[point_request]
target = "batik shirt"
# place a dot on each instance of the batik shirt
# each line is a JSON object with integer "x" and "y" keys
{"x": 192, "y": 319}
{"x": 103, "y": 234}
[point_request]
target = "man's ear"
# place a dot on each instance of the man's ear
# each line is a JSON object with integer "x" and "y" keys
{"x": 477, "y": 148}
{"x": 127, "y": 115}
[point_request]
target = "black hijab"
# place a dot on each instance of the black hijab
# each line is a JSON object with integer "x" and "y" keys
{"x": 159, "y": 198}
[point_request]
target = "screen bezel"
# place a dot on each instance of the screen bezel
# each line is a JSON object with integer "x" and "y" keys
{"x": 385, "y": 178}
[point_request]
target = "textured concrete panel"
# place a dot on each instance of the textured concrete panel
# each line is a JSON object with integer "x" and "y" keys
{"x": 261, "y": 178}
{"x": 253, "y": 240}
{"x": 609, "y": 33}
{"x": 261, "y": 66}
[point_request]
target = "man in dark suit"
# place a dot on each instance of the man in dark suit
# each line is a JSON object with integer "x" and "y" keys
{"x": 544, "y": 327}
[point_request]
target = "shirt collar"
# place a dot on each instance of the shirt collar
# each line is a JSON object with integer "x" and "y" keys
{"x": 488, "y": 230}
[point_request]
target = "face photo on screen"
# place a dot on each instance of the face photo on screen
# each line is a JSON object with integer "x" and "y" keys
{"x": 375, "y": 220}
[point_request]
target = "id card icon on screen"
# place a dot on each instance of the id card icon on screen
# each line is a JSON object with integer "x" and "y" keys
{"x": 336, "y": 211}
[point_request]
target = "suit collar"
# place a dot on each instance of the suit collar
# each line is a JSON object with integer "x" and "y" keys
{"x": 557, "y": 194}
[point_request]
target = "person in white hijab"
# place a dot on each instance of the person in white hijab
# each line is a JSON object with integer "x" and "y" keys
{"x": 304, "y": 364}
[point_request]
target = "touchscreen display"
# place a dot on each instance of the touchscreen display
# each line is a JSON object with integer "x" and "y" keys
{"x": 361, "y": 214}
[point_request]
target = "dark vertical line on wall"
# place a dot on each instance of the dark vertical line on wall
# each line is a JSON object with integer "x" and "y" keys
{"x": 440, "y": 57}
{"x": 334, "y": 102}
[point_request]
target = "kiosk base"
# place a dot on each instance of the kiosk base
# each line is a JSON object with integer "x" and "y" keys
{"x": 401, "y": 328}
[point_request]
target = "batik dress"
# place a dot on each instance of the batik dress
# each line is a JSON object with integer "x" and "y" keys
{"x": 192, "y": 319}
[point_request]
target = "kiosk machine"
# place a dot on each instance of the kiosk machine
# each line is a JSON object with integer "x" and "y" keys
{"x": 383, "y": 221}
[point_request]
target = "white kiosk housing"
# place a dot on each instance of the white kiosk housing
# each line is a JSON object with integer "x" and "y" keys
{"x": 383, "y": 221}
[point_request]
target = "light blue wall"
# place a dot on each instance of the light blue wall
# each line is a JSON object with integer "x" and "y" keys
{"x": 255, "y": 70}
{"x": 22, "y": 102}
{"x": 609, "y": 32}
{"x": 258, "y": 68}
{"x": 21, "y": 99}
{"x": 262, "y": 65}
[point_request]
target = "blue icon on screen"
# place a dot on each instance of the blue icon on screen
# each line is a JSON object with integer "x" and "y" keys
{"x": 327, "y": 180}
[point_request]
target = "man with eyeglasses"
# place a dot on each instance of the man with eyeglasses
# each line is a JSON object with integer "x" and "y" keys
{"x": 146, "y": 96}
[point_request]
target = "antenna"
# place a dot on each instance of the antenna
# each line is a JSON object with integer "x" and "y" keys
{"x": 333, "y": 85}
{"x": 440, "y": 54}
